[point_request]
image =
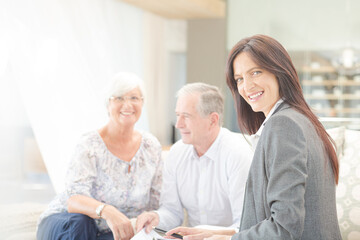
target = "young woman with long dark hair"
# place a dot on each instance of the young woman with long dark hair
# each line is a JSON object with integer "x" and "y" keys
{"x": 290, "y": 192}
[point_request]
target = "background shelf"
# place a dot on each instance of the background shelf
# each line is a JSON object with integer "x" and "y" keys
{"x": 331, "y": 111}
{"x": 314, "y": 96}
{"x": 330, "y": 83}
{"x": 330, "y": 88}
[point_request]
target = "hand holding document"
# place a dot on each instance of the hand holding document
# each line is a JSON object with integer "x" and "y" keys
{"x": 142, "y": 235}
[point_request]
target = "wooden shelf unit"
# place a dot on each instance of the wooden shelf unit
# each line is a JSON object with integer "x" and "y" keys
{"x": 323, "y": 69}
{"x": 329, "y": 92}
{"x": 334, "y": 110}
{"x": 332, "y": 96}
{"x": 330, "y": 83}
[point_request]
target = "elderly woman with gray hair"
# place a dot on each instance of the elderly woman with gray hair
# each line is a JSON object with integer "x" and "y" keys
{"x": 114, "y": 175}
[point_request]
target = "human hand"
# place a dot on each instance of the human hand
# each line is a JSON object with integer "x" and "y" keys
{"x": 191, "y": 233}
{"x": 148, "y": 220}
{"x": 119, "y": 224}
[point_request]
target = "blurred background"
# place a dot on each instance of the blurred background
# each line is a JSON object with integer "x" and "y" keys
{"x": 56, "y": 57}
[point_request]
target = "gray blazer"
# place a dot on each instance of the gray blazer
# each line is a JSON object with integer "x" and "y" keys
{"x": 290, "y": 191}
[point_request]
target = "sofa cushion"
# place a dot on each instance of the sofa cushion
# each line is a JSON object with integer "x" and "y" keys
{"x": 19, "y": 221}
{"x": 338, "y": 135}
{"x": 348, "y": 189}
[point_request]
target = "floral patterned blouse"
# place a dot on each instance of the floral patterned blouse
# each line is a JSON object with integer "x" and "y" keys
{"x": 95, "y": 172}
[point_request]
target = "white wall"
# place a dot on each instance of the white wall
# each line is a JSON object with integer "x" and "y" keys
{"x": 164, "y": 70}
{"x": 298, "y": 25}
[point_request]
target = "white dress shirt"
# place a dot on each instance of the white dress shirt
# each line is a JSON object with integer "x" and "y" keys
{"x": 255, "y": 137}
{"x": 210, "y": 187}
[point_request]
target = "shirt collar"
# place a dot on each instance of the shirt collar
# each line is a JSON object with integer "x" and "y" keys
{"x": 212, "y": 152}
{"x": 258, "y": 133}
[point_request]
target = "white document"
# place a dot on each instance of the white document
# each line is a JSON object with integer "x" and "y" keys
{"x": 142, "y": 235}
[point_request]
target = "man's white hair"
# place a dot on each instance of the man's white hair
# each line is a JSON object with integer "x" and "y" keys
{"x": 211, "y": 99}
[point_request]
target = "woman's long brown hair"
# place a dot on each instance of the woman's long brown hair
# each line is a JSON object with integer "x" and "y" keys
{"x": 269, "y": 54}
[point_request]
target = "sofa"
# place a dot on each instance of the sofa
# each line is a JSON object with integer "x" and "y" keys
{"x": 18, "y": 221}
{"x": 348, "y": 189}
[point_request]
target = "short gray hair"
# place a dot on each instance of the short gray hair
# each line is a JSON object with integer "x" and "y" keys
{"x": 211, "y": 99}
{"x": 122, "y": 83}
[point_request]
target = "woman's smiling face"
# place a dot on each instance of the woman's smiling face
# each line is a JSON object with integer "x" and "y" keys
{"x": 126, "y": 109}
{"x": 257, "y": 86}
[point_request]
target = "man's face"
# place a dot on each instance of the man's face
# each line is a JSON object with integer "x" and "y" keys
{"x": 193, "y": 127}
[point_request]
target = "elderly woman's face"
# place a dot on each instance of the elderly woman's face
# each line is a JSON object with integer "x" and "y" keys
{"x": 126, "y": 109}
{"x": 257, "y": 86}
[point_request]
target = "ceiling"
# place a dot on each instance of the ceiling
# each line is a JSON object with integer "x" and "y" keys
{"x": 183, "y": 9}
